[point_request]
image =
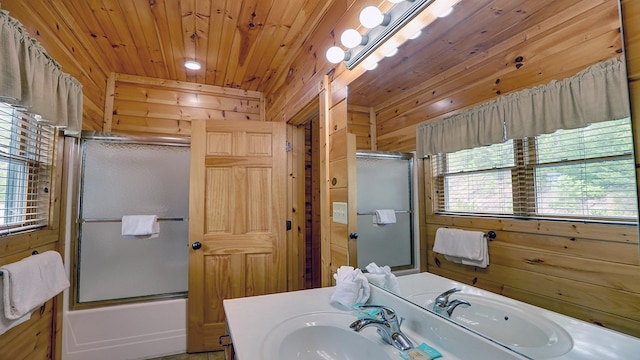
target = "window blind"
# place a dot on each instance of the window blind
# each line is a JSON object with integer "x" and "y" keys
{"x": 25, "y": 162}
{"x": 585, "y": 173}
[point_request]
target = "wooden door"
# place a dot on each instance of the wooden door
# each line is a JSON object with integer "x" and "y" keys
{"x": 236, "y": 220}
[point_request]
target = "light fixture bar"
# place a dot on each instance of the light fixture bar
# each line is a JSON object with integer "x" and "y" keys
{"x": 400, "y": 14}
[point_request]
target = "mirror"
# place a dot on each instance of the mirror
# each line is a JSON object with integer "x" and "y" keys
{"x": 480, "y": 51}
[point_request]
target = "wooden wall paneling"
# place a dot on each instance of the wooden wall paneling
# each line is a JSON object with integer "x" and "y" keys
{"x": 296, "y": 237}
{"x": 359, "y": 123}
{"x": 373, "y": 128}
{"x": 109, "y": 99}
{"x": 338, "y": 182}
{"x": 188, "y": 98}
{"x": 595, "y": 316}
{"x": 157, "y": 106}
{"x": 324, "y": 181}
{"x": 401, "y": 140}
{"x": 316, "y": 221}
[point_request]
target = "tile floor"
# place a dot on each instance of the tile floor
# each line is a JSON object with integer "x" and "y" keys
{"x": 216, "y": 355}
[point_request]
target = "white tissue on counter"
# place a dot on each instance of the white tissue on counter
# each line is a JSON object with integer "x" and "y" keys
{"x": 352, "y": 287}
{"x": 382, "y": 277}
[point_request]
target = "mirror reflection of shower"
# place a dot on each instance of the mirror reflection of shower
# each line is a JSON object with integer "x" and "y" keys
{"x": 385, "y": 209}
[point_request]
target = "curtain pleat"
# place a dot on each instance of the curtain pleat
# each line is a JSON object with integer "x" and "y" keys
{"x": 599, "y": 93}
{"x": 31, "y": 79}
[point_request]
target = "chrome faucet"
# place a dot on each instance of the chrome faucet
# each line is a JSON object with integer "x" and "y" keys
{"x": 442, "y": 305}
{"x": 388, "y": 327}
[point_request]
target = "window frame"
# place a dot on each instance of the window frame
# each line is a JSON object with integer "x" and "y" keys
{"x": 27, "y": 157}
{"x": 525, "y": 200}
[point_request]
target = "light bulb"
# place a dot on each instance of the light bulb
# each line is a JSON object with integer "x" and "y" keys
{"x": 351, "y": 38}
{"x": 192, "y": 65}
{"x": 370, "y": 65}
{"x": 416, "y": 35}
{"x": 371, "y": 17}
{"x": 391, "y": 52}
{"x": 445, "y": 13}
{"x": 335, "y": 54}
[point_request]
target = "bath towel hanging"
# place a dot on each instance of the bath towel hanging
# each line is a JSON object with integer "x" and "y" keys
{"x": 140, "y": 226}
{"x": 463, "y": 247}
{"x": 30, "y": 282}
{"x": 384, "y": 216}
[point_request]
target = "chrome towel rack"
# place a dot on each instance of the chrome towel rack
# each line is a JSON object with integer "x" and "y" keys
{"x": 82, "y": 221}
{"x": 397, "y": 212}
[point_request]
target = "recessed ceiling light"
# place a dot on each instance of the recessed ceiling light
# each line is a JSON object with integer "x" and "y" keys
{"x": 192, "y": 65}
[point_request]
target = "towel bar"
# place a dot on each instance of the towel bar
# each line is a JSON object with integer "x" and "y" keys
{"x": 34, "y": 252}
{"x": 82, "y": 221}
{"x": 397, "y": 212}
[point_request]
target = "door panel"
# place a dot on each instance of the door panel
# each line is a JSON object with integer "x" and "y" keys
{"x": 237, "y": 213}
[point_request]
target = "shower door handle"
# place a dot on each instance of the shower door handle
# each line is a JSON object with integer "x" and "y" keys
{"x": 196, "y": 245}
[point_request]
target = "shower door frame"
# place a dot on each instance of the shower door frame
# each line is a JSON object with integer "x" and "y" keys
{"x": 371, "y": 154}
{"x": 76, "y": 149}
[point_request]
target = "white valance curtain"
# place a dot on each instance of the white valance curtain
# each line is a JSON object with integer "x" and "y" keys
{"x": 31, "y": 79}
{"x": 599, "y": 93}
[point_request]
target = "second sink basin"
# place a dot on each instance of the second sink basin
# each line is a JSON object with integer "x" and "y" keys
{"x": 323, "y": 336}
{"x": 526, "y": 332}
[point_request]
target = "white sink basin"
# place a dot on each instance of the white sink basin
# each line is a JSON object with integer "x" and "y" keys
{"x": 323, "y": 336}
{"x": 526, "y": 332}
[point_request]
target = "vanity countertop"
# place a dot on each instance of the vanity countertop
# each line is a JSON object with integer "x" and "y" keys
{"x": 251, "y": 321}
{"x": 590, "y": 342}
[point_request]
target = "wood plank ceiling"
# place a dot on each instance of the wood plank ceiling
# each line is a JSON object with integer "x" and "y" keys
{"x": 240, "y": 44}
{"x": 485, "y": 48}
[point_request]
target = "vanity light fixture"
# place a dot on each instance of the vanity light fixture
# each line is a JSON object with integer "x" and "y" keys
{"x": 192, "y": 65}
{"x": 384, "y": 32}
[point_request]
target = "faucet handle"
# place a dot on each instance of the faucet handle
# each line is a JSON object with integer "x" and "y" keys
{"x": 388, "y": 313}
{"x": 443, "y": 298}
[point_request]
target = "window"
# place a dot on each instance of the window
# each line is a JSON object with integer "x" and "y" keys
{"x": 25, "y": 161}
{"x": 586, "y": 173}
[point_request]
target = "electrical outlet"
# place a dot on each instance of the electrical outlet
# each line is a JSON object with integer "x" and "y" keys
{"x": 340, "y": 212}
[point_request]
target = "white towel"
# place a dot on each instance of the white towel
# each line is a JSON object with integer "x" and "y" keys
{"x": 463, "y": 247}
{"x": 382, "y": 277}
{"x": 30, "y": 282}
{"x": 140, "y": 226}
{"x": 6, "y": 324}
{"x": 384, "y": 216}
{"x": 352, "y": 288}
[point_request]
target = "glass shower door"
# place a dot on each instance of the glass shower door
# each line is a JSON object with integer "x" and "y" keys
{"x": 132, "y": 179}
{"x": 384, "y": 182}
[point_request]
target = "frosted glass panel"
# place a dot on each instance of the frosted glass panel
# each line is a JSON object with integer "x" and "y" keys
{"x": 113, "y": 267}
{"x": 384, "y": 182}
{"x": 385, "y": 245}
{"x": 132, "y": 179}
